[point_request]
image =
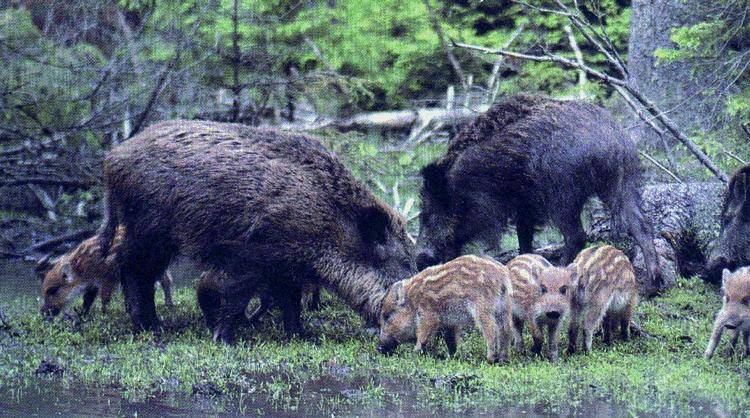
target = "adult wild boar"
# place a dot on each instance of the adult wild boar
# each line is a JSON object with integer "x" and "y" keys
{"x": 272, "y": 210}
{"x": 732, "y": 248}
{"x": 527, "y": 160}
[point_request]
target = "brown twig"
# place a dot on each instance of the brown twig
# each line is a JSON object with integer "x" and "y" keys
{"x": 660, "y": 166}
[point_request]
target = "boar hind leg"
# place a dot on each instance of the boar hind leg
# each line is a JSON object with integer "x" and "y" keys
{"x": 451, "y": 340}
{"x": 491, "y": 333}
{"x": 536, "y": 336}
{"x": 627, "y": 204}
{"x": 592, "y": 321}
{"x": 427, "y": 325}
{"x": 314, "y": 303}
{"x": 625, "y": 319}
{"x": 525, "y": 231}
{"x": 166, "y": 287}
{"x": 569, "y": 223}
{"x": 746, "y": 337}
{"x": 732, "y": 348}
{"x": 107, "y": 290}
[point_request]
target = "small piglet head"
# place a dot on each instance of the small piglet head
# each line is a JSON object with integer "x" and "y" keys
{"x": 735, "y": 311}
{"x": 59, "y": 286}
{"x": 557, "y": 286}
{"x": 397, "y": 319}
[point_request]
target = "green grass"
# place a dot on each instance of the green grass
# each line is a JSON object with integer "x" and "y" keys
{"x": 339, "y": 366}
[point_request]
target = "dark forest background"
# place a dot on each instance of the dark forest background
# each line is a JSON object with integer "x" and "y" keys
{"x": 384, "y": 82}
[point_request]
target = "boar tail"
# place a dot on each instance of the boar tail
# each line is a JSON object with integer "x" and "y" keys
{"x": 109, "y": 227}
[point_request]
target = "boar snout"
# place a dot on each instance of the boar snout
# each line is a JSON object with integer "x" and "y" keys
{"x": 426, "y": 258}
{"x": 554, "y": 315}
{"x": 49, "y": 313}
{"x": 386, "y": 347}
{"x": 714, "y": 267}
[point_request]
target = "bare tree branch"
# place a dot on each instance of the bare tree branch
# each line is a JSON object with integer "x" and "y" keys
{"x": 660, "y": 166}
{"x": 446, "y": 47}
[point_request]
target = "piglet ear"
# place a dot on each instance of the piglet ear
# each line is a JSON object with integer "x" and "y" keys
{"x": 398, "y": 287}
{"x": 574, "y": 277}
{"x": 725, "y": 275}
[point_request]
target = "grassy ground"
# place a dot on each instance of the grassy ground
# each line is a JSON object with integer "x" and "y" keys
{"x": 661, "y": 374}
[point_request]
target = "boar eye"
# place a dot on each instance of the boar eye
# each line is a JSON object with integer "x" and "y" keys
{"x": 544, "y": 289}
{"x": 564, "y": 290}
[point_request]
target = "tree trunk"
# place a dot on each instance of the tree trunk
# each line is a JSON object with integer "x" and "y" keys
{"x": 674, "y": 87}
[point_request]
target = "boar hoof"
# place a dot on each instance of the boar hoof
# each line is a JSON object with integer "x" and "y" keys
{"x": 223, "y": 334}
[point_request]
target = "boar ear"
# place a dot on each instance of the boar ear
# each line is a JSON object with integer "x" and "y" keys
{"x": 398, "y": 287}
{"x": 373, "y": 224}
{"x": 739, "y": 188}
{"x": 43, "y": 265}
{"x": 725, "y": 275}
{"x": 435, "y": 182}
{"x": 67, "y": 271}
{"x": 574, "y": 278}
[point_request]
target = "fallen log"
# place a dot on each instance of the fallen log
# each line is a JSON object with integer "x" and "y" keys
{"x": 396, "y": 119}
{"x": 685, "y": 218}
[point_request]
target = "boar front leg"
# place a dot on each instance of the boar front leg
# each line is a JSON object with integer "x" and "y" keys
{"x": 427, "y": 325}
{"x": 536, "y": 336}
{"x": 554, "y": 340}
{"x": 607, "y": 325}
{"x": 235, "y": 295}
{"x": 525, "y": 232}
{"x": 590, "y": 324}
{"x": 747, "y": 343}
{"x": 518, "y": 324}
{"x": 451, "y": 340}
{"x": 573, "y": 332}
{"x": 715, "y": 337}
{"x": 89, "y": 296}
{"x": 732, "y": 348}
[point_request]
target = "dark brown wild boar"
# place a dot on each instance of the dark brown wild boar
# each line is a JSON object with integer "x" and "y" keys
{"x": 525, "y": 161}
{"x": 552, "y": 308}
{"x": 731, "y": 248}
{"x": 84, "y": 271}
{"x": 735, "y": 311}
{"x": 606, "y": 295}
{"x": 467, "y": 290}
{"x": 273, "y": 210}
{"x": 524, "y": 277}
